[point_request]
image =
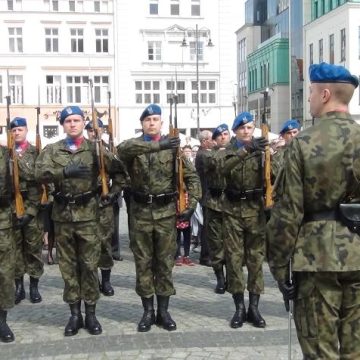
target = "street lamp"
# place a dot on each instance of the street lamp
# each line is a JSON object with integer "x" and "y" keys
{"x": 197, "y": 32}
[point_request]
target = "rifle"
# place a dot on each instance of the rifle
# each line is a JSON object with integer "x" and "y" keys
{"x": 44, "y": 195}
{"x": 179, "y": 171}
{"x": 267, "y": 161}
{"x": 110, "y": 127}
{"x": 14, "y": 166}
{"x": 99, "y": 146}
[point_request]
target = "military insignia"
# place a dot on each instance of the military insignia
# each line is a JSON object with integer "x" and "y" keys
{"x": 150, "y": 110}
{"x": 245, "y": 120}
{"x": 69, "y": 110}
{"x": 290, "y": 127}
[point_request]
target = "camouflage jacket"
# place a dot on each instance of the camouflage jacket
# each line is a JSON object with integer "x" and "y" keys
{"x": 242, "y": 172}
{"x": 320, "y": 170}
{"x": 151, "y": 171}
{"x": 29, "y": 187}
{"x": 5, "y": 190}
{"x": 50, "y": 166}
{"x": 277, "y": 161}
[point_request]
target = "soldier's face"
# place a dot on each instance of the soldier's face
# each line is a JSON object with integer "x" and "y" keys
{"x": 151, "y": 125}
{"x": 19, "y": 133}
{"x": 74, "y": 126}
{"x": 245, "y": 132}
{"x": 289, "y": 135}
{"x": 91, "y": 134}
{"x": 223, "y": 139}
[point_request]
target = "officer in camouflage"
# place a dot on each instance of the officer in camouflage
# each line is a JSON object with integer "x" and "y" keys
{"x": 214, "y": 200}
{"x": 71, "y": 165}
{"x": 244, "y": 219}
{"x": 7, "y": 248}
{"x": 307, "y": 226}
{"x": 150, "y": 162}
{"x": 28, "y": 230}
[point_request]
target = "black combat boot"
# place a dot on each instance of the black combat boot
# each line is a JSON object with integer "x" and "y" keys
{"x": 91, "y": 322}
{"x": 240, "y": 314}
{"x": 35, "y": 296}
{"x": 253, "y": 314}
{"x": 6, "y": 335}
{"x": 76, "y": 321}
{"x": 19, "y": 290}
{"x": 163, "y": 317}
{"x": 148, "y": 317}
{"x": 106, "y": 287}
{"x": 220, "y": 281}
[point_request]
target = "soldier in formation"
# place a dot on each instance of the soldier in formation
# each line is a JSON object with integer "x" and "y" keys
{"x": 314, "y": 224}
{"x": 149, "y": 160}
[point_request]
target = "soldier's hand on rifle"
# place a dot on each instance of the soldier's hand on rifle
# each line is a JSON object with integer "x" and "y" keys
{"x": 288, "y": 291}
{"x": 186, "y": 215}
{"x": 169, "y": 143}
{"x": 256, "y": 144}
{"x": 108, "y": 199}
{"x": 77, "y": 170}
{"x": 23, "y": 221}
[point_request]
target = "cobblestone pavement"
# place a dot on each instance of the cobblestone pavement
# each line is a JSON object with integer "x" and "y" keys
{"x": 202, "y": 319}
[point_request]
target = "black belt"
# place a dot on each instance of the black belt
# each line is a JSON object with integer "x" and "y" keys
{"x": 249, "y": 194}
{"x": 77, "y": 199}
{"x": 214, "y": 192}
{"x": 161, "y": 199}
{"x": 321, "y": 215}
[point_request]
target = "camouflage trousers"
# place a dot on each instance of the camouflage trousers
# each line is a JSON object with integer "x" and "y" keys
{"x": 7, "y": 269}
{"x": 327, "y": 314}
{"x": 29, "y": 244}
{"x": 78, "y": 248}
{"x": 153, "y": 243}
{"x": 106, "y": 231}
{"x": 215, "y": 236}
{"x": 244, "y": 243}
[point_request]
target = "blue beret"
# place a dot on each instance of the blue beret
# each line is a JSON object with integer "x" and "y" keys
{"x": 18, "y": 121}
{"x": 70, "y": 110}
{"x": 289, "y": 125}
{"x": 89, "y": 125}
{"x": 220, "y": 129}
{"x": 152, "y": 109}
{"x": 329, "y": 73}
{"x": 243, "y": 118}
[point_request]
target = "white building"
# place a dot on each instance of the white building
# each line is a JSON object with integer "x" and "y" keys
{"x": 333, "y": 37}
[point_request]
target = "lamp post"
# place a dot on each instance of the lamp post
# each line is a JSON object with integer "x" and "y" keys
{"x": 209, "y": 44}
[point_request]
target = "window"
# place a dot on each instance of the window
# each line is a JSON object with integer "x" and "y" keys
{"x": 55, "y": 5}
{"x": 154, "y": 7}
{"x": 77, "y": 89}
{"x": 16, "y": 89}
{"x": 147, "y": 92}
{"x": 15, "y": 40}
{"x": 53, "y": 89}
{"x": 10, "y": 4}
{"x": 343, "y": 45}
{"x": 331, "y": 49}
{"x": 51, "y": 40}
{"x": 193, "y": 50}
{"x": 195, "y": 7}
{"x": 50, "y": 131}
{"x": 154, "y": 50}
{"x": 101, "y": 88}
{"x": 311, "y": 54}
{"x": 102, "y": 40}
{"x": 71, "y": 5}
{"x": 179, "y": 90}
{"x": 207, "y": 91}
{"x": 77, "y": 40}
{"x": 321, "y": 50}
{"x": 174, "y": 7}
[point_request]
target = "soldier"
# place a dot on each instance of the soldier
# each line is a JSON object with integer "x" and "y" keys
{"x": 71, "y": 165}
{"x": 106, "y": 225}
{"x": 28, "y": 234}
{"x": 244, "y": 219}
{"x": 7, "y": 248}
{"x": 150, "y": 163}
{"x": 321, "y": 171}
{"x": 214, "y": 205}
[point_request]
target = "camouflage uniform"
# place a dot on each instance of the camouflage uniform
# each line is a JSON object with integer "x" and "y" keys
{"x": 152, "y": 225}
{"x": 29, "y": 239}
{"x": 7, "y": 248}
{"x": 321, "y": 169}
{"x": 76, "y": 215}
